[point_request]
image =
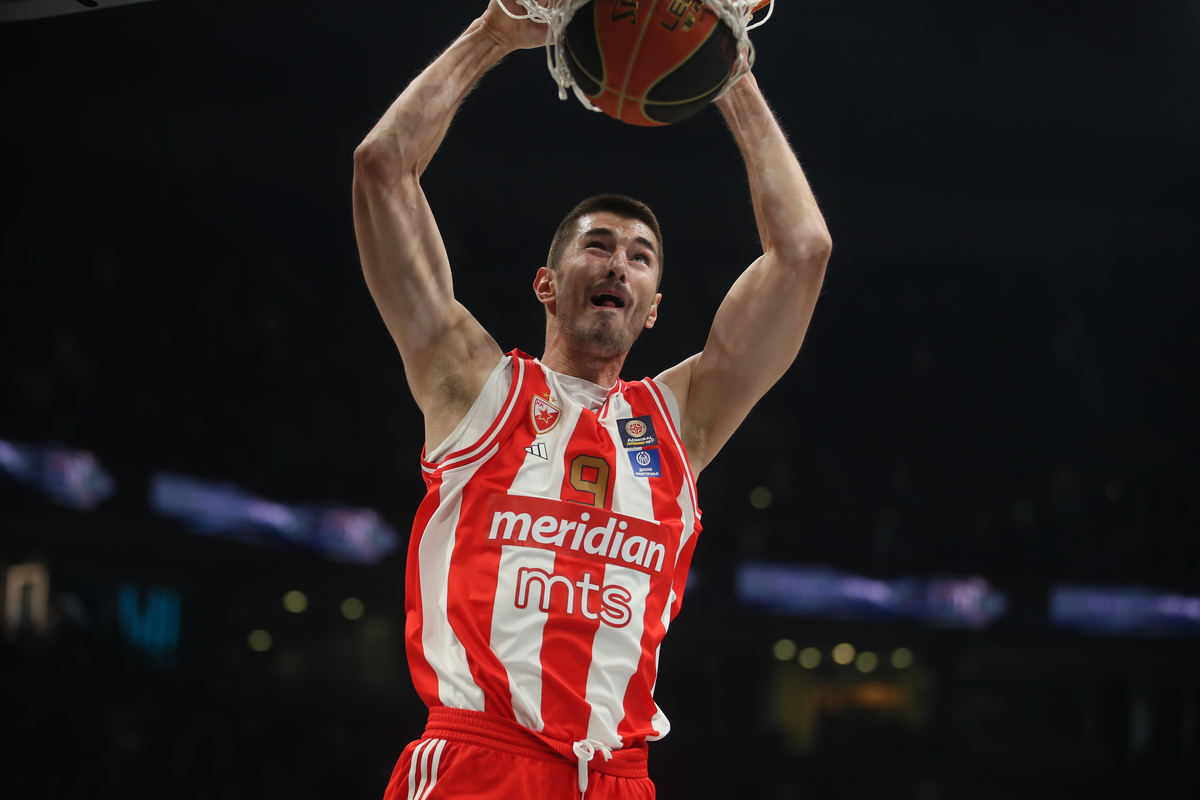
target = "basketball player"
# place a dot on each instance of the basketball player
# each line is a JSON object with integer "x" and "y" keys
{"x": 551, "y": 551}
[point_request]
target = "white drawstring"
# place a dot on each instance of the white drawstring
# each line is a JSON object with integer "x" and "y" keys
{"x": 586, "y": 749}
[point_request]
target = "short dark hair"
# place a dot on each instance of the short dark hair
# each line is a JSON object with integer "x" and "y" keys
{"x": 617, "y": 204}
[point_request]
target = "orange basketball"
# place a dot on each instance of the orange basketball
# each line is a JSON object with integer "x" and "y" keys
{"x": 649, "y": 62}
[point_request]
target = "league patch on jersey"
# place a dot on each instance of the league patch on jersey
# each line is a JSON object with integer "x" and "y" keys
{"x": 645, "y": 464}
{"x": 637, "y": 432}
{"x": 544, "y": 414}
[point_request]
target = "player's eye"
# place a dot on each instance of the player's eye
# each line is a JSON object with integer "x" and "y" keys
{"x": 597, "y": 243}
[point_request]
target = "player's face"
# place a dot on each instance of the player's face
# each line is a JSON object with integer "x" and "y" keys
{"x": 606, "y": 283}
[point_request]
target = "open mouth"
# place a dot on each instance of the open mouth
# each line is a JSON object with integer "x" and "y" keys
{"x": 607, "y": 301}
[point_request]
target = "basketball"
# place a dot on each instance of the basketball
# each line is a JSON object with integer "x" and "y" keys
{"x": 652, "y": 62}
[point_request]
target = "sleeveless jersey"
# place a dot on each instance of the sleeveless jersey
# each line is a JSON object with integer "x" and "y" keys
{"x": 549, "y": 557}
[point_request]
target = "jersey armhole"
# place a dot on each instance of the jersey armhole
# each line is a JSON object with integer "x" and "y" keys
{"x": 671, "y": 401}
{"x": 480, "y": 419}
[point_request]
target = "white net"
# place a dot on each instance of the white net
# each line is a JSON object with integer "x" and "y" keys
{"x": 557, "y": 14}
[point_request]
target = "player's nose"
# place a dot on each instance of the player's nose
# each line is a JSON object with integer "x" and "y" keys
{"x": 618, "y": 265}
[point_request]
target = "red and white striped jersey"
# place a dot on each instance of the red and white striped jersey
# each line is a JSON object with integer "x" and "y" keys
{"x": 550, "y": 554}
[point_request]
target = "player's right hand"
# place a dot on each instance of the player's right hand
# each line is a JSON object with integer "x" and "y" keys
{"x": 513, "y": 34}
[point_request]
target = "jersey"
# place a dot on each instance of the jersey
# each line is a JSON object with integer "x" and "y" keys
{"x": 550, "y": 555}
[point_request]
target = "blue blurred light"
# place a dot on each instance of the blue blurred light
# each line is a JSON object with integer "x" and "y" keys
{"x": 824, "y": 592}
{"x": 154, "y": 629}
{"x": 348, "y": 534}
{"x": 1127, "y": 610}
{"x": 69, "y": 477}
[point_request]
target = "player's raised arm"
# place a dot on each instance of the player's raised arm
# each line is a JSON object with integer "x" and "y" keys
{"x": 447, "y": 354}
{"x": 761, "y": 323}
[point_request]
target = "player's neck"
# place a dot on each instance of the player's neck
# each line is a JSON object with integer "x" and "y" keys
{"x": 601, "y": 370}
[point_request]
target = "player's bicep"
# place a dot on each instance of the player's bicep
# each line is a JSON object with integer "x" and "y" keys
{"x": 447, "y": 354}
{"x": 403, "y": 258}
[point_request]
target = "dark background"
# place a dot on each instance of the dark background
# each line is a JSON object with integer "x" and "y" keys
{"x": 1000, "y": 380}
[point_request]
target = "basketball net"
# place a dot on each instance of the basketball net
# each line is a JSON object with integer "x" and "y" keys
{"x": 557, "y": 14}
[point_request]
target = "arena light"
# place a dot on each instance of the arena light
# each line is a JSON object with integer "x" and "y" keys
{"x": 353, "y": 608}
{"x": 866, "y": 661}
{"x": 761, "y": 497}
{"x": 1124, "y": 610}
{"x": 784, "y": 649}
{"x": 221, "y": 509}
{"x": 295, "y": 602}
{"x": 259, "y": 640}
{"x": 810, "y": 658}
{"x": 902, "y": 658}
{"x": 68, "y": 477}
{"x": 824, "y": 592}
{"x": 843, "y": 653}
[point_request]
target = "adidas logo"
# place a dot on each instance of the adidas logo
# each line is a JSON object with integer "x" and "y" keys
{"x": 538, "y": 449}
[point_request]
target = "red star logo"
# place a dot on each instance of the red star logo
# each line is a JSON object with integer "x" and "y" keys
{"x": 544, "y": 414}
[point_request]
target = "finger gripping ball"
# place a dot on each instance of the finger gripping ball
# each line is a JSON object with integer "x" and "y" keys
{"x": 649, "y": 62}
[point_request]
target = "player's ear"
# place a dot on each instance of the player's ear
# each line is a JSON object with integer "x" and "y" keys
{"x": 650, "y": 320}
{"x": 544, "y": 286}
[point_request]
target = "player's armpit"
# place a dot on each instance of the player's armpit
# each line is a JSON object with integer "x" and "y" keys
{"x": 679, "y": 379}
{"x": 755, "y": 337}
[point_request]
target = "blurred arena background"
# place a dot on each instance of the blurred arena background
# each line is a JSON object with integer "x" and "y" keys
{"x": 955, "y": 553}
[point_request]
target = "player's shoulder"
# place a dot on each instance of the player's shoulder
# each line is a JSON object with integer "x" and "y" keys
{"x": 655, "y": 392}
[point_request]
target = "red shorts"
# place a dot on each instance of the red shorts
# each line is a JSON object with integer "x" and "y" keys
{"x": 469, "y": 755}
